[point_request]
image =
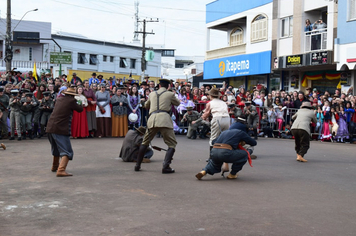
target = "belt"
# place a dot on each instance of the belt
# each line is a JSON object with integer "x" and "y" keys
{"x": 222, "y": 146}
{"x": 159, "y": 111}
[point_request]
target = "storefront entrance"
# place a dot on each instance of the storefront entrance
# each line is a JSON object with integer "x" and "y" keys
{"x": 323, "y": 85}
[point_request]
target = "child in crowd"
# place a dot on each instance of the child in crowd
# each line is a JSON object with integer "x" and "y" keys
{"x": 342, "y": 132}
{"x": 267, "y": 131}
{"x": 334, "y": 117}
{"x": 287, "y": 133}
{"x": 280, "y": 116}
{"x": 272, "y": 117}
{"x": 320, "y": 120}
{"x": 327, "y": 119}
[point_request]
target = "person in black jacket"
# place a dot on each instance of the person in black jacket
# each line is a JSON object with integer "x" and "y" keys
{"x": 301, "y": 98}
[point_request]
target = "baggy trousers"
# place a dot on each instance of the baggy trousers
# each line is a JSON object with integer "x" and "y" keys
{"x": 237, "y": 157}
{"x": 60, "y": 145}
{"x": 302, "y": 141}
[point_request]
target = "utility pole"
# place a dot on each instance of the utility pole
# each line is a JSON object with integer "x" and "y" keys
{"x": 144, "y": 33}
{"x": 8, "y": 46}
{"x": 136, "y": 21}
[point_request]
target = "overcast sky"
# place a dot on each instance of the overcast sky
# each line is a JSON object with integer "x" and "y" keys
{"x": 181, "y": 23}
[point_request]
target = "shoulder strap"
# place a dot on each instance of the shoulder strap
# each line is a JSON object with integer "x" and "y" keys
{"x": 158, "y": 95}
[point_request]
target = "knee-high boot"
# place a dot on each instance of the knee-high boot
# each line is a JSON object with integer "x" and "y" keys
{"x": 42, "y": 131}
{"x": 203, "y": 132}
{"x": 140, "y": 155}
{"x": 55, "y": 164}
{"x": 35, "y": 130}
{"x": 61, "y": 172}
{"x": 167, "y": 161}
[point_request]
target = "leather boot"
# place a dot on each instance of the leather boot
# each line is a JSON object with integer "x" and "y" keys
{"x": 140, "y": 155}
{"x": 194, "y": 136}
{"x": 255, "y": 133}
{"x": 61, "y": 172}
{"x": 167, "y": 161}
{"x": 55, "y": 164}
{"x": 42, "y": 131}
{"x": 30, "y": 135}
{"x": 203, "y": 132}
{"x": 35, "y": 130}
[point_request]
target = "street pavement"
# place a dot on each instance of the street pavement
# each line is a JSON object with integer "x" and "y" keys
{"x": 277, "y": 196}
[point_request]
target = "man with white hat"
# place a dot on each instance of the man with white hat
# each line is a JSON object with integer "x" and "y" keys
{"x": 59, "y": 131}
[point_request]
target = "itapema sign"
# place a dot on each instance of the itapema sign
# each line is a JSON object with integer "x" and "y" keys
{"x": 294, "y": 61}
{"x": 60, "y": 58}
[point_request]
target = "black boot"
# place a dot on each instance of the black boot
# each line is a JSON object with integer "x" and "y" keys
{"x": 167, "y": 161}
{"x": 140, "y": 155}
{"x": 255, "y": 134}
{"x": 203, "y": 132}
{"x": 42, "y": 131}
{"x": 30, "y": 134}
{"x": 211, "y": 147}
{"x": 24, "y": 135}
{"x": 194, "y": 136}
{"x": 35, "y": 130}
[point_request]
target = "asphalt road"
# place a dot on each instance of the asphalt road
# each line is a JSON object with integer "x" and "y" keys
{"x": 278, "y": 196}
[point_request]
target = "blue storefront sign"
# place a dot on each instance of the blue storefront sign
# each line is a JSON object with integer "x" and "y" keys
{"x": 240, "y": 65}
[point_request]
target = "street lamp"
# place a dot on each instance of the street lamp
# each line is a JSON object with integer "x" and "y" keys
{"x": 8, "y": 43}
{"x": 22, "y": 18}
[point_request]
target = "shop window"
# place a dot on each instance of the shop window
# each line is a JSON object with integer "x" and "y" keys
{"x": 352, "y": 10}
{"x": 259, "y": 28}
{"x": 236, "y": 37}
{"x": 81, "y": 58}
{"x": 287, "y": 27}
{"x": 323, "y": 85}
{"x": 93, "y": 59}
{"x": 123, "y": 62}
{"x": 105, "y": 58}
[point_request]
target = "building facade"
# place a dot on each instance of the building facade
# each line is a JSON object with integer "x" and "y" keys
{"x": 303, "y": 52}
{"x": 345, "y": 44}
{"x": 29, "y": 44}
{"x": 245, "y": 57}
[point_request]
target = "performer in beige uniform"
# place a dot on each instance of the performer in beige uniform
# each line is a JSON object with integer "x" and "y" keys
{"x": 221, "y": 119}
{"x": 160, "y": 103}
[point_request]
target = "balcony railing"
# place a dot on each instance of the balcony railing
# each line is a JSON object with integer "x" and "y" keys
{"x": 226, "y": 52}
{"x": 316, "y": 40}
{"x": 26, "y": 64}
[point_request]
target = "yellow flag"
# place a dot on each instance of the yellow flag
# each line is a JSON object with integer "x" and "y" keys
{"x": 34, "y": 71}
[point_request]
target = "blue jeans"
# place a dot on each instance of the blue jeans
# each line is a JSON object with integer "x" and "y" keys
{"x": 238, "y": 158}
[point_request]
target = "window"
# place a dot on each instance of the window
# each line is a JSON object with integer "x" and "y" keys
{"x": 179, "y": 65}
{"x": 236, "y": 37}
{"x": 123, "y": 62}
{"x": 259, "y": 29}
{"x": 81, "y": 58}
{"x": 30, "y": 54}
{"x": 287, "y": 26}
{"x": 352, "y": 10}
{"x": 105, "y": 58}
{"x": 168, "y": 53}
{"x": 93, "y": 59}
{"x": 111, "y": 59}
{"x": 132, "y": 63}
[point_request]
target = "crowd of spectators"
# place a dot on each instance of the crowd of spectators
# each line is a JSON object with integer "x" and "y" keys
{"x": 112, "y": 107}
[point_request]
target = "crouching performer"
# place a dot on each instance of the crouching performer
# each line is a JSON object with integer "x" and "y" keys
{"x": 228, "y": 148}
{"x": 160, "y": 103}
{"x": 59, "y": 130}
